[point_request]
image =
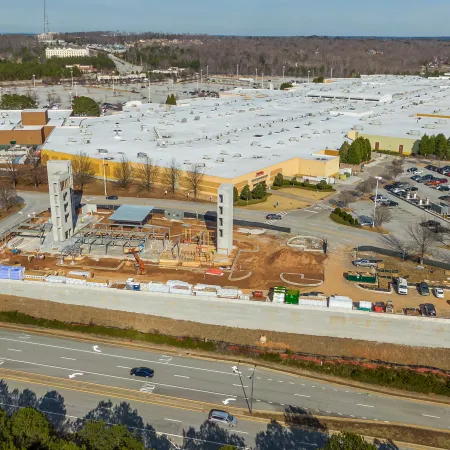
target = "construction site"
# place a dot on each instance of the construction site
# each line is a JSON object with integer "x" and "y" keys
{"x": 157, "y": 249}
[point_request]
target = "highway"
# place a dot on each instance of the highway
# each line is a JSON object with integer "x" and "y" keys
{"x": 198, "y": 380}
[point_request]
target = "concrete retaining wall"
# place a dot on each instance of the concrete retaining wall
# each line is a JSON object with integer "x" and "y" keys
{"x": 414, "y": 331}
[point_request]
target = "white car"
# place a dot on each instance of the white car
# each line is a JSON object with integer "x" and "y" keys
{"x": 438, "y": 292}
{"x": 417, "y": 172}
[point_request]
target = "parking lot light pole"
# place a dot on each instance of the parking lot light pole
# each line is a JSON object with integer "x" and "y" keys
{"x": 375, "y": 202}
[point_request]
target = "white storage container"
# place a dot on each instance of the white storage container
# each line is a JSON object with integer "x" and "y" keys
{"x": 279, "y": 297}
{"x": 94, "y": 284}
{"x": 201, "y": 287}
{"x": 229, "y": 293}
{"x": 187, "y": 290}
{"x": 75, "y": 281}
{"x": 55, "y": 279}
{"x": 158, "y": 287}
{"x": 340, "y": 301}
{"x": 365, "y": 305}
{"x": 203, "y": 293}
{"x": 309, "y": 302}
{"x": 177, "y": 283}
{"x": 244, "y": 297}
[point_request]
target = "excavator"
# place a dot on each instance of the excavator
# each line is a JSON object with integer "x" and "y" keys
{"x": 141, "y": 270}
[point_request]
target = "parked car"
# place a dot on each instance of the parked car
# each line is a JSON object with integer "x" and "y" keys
{"x": 430, "y": 167}
{"x": 416, "y": 178}
{"x": 423, "y": 288}
{"x": 443, "y": 188}
{"x": 427, "y": 309}
{"x": 379, "y": 198}
{"x": 390, "y": 306}
{"x": 442, "y": 180}
{"x": 142, "y": 372}
{"x": 389, "y": 203}
{"x": 411, "y": 189}
{"x": 365, "y": 263}
{"x": 274, "y": 217}
{"x": 402, "y": 286}
{"x": 413, "y": 170}
{"x": 366, "y": 222}
{"x": 379, "y": 307}
{"x": 218, "y": 416}
{"x": 438, "y": 292}
{"x": 112, "y": 197}
{"x": 397, "y": 190}
{"x": 444, "y": 197}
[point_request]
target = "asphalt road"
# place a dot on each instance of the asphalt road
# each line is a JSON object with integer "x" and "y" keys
{"x": 206, "y": 381}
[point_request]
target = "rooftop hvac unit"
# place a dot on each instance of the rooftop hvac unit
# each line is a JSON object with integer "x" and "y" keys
{"x": 441, "y": 121}
{"x": 357, "y": 127}
{"x": 197, "y": 118}
{"x": 257, "y": 157}
{"x": 186, "y": 162}
{"x": 224, "y": 152}
{"x": 305, "y": 136}
{"x": 183, "y": 120}
{"x": 280, "y": 142}
{"x": 293, "y": 139}
{"x": 237, "y": 155}
{"x": 206, "y": 157}
{"x": 256, "y": 144}
{"x": 142, "y": 155}
{"x": 201, "y": 165}
{"x": 102, "y": 150}
{"x": 120, "y": 153}
{"x": 430, "y": 126}
{"x": 220, "y": 160}
{"x": 414, "y": 132}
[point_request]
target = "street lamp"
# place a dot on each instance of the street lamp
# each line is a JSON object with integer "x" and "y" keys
{"x": 149, "y": 88}
{"x": 331, "y": 73}
{"x": 207, "y": 71}
{"x": 283, "y": 73}
{"x": 71, "y": 75}
{"x": 104, "y": 175}
{"x": 34, "y": 83}
{"x": 375, "y": 202}
{"x": 308, "y": 75}
{"x": 237, "y": 70}
{"x": 201, "y": 77}
{"x": 251, "y": 377}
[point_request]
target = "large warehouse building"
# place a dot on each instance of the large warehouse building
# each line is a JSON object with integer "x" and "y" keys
{"x": 249, "y": 136}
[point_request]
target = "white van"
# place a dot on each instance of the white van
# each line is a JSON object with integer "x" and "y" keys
{"x": 402, "y": 286}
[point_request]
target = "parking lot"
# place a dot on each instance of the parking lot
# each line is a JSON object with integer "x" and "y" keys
{"x": 407, "y": 212}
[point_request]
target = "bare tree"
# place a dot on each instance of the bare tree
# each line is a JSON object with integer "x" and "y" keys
{"x": 367, "y": 186}
{"x": 82, "y": 169}
{"x": 171, "y": 176}
{"x": 396, "y": 168}
{"x": 146, "y": 175}
{"x": 36, "y": 173}
{"x": 8, "y": 196}
{"x": 382, "y": 215}
{"x": 422, "y": 240}
{"x": 12, "y": 168}
{"x": 194, "y": 179}
{"x": 346, "y": 197}
{"x": 397, "y": 244}
{"x": 123, "y": 173}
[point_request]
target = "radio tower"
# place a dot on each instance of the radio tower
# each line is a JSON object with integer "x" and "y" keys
{"x": 46, "y": 27}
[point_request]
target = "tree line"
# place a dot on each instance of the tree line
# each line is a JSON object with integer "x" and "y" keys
{"x": 360, "y": 150}
{"x": 438, "y": 146}
{"x": 54, "y": 68}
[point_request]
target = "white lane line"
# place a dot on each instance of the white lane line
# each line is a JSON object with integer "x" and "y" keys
{"x": 303, "y": 384}
{"x": 120, "y": 378}
{"x": 270, "y": 402}
{"x": 242, "y": 432}
{"x": 124, "y": 367}
{"x": 173, "y": 420}
{"x": 239, "y": 385}
{"x": 119, "y": 356}
{"x": 290, "y": 382}
{"x": 365, "y": 418}
{"x": 279, "y": 381}
{"x": 315, "y": 212}
{"x": 181, "y": 376}
{"x": 365, "y": 406}
{"x": 301, "y": 395}
{"x": 70, "y": 359}
{"x": 258, "y": 378}
{"x": 14, "y": 350}
{"x": 269, "y": 379}
{"x": 433, "y": 417}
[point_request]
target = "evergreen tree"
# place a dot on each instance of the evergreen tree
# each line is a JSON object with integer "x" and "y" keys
{"x": 343, "y": 152}
{"x": 441, "y": 146}
{"x": 235, "y": 194}
{"x": 246, "y": 193}
{"x": 259, "y": 191}
{"x": 354, "y": 153}
{"x": 425, "y": 146}
{"x": 278, "y": 180}
{"x": 368, "y": 150}
{"x": 85, "y": 106}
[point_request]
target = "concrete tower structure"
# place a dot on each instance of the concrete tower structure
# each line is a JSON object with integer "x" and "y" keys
{"x": 225, "y": 219}
{"x": 60, "y": 184}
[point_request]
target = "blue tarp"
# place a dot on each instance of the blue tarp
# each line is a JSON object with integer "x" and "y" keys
{"x": 12, "y": 273}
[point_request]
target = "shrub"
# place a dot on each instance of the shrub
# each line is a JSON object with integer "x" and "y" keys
{"x": 337, "y": 211}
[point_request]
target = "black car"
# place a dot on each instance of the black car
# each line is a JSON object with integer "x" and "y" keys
{"x": 444, "y": 197}
{"x": 416, "y": 177}
{"x": 274, "y": 217}
{"x": 112, "y": 197}
{"x": 443, "y": 188}
{"x": 411, "y": 189}
{"x": 142, "y": 372}
{"x": 412, "y": 169}
{"x": 423, "y": 288}
{"x": 389, "y": 203}
{"x": 427, "y": 309}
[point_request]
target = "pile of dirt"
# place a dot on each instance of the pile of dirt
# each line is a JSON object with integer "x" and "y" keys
{"x": 285, "y": 258}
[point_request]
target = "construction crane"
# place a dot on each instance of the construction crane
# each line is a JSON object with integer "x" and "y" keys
{"x": 140, "y": 264}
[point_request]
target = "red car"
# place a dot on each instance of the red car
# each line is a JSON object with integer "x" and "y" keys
{"x": 380, "y": 307}
{"x": 442, "y": 180}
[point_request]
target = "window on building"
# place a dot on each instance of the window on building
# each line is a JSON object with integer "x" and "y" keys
{"x": 220, "y": 198}
{"x": 220, "y": 209}
{"x": 221, "y": 222}
{"x": 221, "y": 233}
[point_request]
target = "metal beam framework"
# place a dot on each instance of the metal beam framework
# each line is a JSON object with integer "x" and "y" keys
{"x": 27, "y": 228}
{"x": 121, "y": 235}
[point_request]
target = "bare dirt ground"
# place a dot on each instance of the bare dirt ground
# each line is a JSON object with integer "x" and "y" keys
{"x": 284, "y": 204}
{"x": 319, "y": 345}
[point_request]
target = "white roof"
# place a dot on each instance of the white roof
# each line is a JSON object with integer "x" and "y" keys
{"x": 248, "y": 130}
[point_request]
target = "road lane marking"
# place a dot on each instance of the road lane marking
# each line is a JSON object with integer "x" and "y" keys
{"x": 14, "y": 350}
{"x": 173, "y": 420}
{"x": 240, "y": 385}
{"x": 181, "y": 376}
{"x": 73, "y": 375}
{"x": 96, "y": 349}
{"x": 71, "y": 359}
{"x": 119, "y": 378}
{"x": 242, "y": 432}
{"x": 433, "y": 417}
{"x": 301, "y": 395}
{"x": 279, "y": 381}
{"x": 120, "y": 356}
{"x": 228, "y": 400}
{"x": 123, "y": 367}
{"x": 365, "y": 406}
{"x": 290, "y": 382}
{"x": 148, "y": 387}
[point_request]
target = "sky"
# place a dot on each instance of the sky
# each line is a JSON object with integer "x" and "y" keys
{"x": 233, "y": 17}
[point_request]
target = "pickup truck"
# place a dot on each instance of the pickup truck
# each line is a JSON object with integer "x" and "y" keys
{"x": 364, "y": 263}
